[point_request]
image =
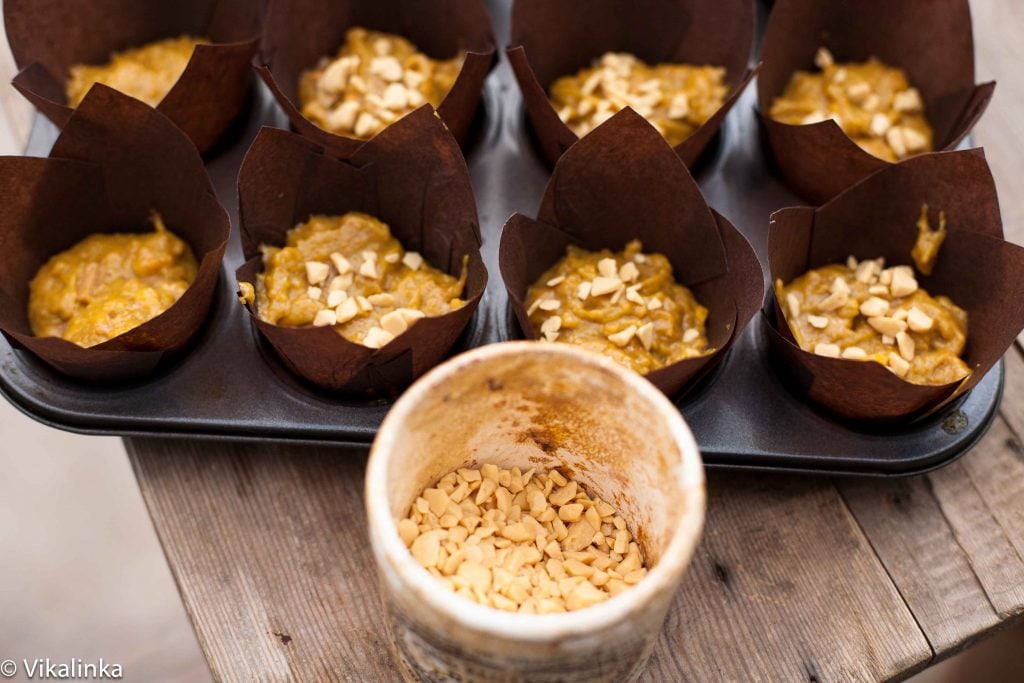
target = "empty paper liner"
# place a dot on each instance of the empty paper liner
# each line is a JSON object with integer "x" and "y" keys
{"x": 411, "y": 177}
{"x": 116, "y": 161}
{"x": 929, "y": 39}
{"x": 48, "y": 37}
{"x": 623, "y": 182}
{"x": 555, "y": 38}
{"x": 298, "y": 33}
{"x": 976, "y": 268}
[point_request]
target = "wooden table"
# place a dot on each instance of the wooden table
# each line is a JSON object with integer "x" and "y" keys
{"x": 808, "y": 579}
{"x": 796, "y": 579}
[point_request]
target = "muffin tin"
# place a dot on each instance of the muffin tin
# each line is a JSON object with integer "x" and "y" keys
{"x": 230, "y": 386}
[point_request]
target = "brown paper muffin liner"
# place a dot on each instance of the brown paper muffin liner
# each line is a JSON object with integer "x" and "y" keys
{"x": 412, "y": 177}
{"x": 976, "y": 268}
{"x": 299, "y": 32}
{"x": 48, "y": 37}
{"x": 623, "y": 182}
{"x": 116, "y": 161}
{"x": 929, "y": 39}
{"x": 554, "y": 38}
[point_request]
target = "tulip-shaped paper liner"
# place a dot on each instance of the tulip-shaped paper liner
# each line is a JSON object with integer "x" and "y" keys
{"x": 48, "y": 37}
{"x": 298, "y": 33}
{"x": 929, "y": 39}
{"x": 976, "y": 268}
{"x": 554, "y": 38}
{"x": 412, "y": 177}
{"x": 116, "y": 162}
{"x": 623, "y": 182}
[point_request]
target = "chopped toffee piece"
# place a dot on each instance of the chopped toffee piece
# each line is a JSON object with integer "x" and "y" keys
{"x": 864, "y": 311}
{"x": 146, "y": 73}
{"x": 675, "y": 98}
{"x": 375, "y": 79}
{"x": 108, "y": 284}
{"x": 529, "y": 542}
{"x": 349, "y": 273}
{"x": 625, "y": 305}
{"x": 873, "y": 103}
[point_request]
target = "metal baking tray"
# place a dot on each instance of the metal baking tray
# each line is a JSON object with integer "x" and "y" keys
{"x": 230, "y": 386}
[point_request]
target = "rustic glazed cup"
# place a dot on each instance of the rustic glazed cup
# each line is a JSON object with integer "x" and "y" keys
{"x": 530, "y": 404}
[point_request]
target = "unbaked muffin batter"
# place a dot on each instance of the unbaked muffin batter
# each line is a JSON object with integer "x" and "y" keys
{"x": 865, "y": 311}
{"x": 872, "y": 102}
{"x": 625, "y": 305}
{"x": 108, "y": 284}
{"x": 374, "y": 80}
{"x": 675, "y": 98}
{"x": 349, "y": 273}
{"x": 146, "y": 73}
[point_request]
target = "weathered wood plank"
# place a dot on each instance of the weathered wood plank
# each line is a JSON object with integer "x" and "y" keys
{"x": 906, "y": 526}
{"x": 785, "y": 587}
{"x": 270, "y": 555}
{"x": 268, "y": 548}
{"x": 980, "y": 519}
{"x": 953, "y": 540}
{"x": 999, "y": 473}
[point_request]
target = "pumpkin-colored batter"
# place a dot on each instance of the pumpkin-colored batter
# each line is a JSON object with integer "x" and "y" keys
{"x": 108, "y": 284}
{"x": 146, "y": 73}
{"x": 375, "y": 79}
{"x": 864, "y": 311}
{"x": 926, "y": 248}
{"x": 349, "y": 273}
{"x": 675, "y": 98}
{"x": 872, "y": 102}
{"x": 625, "y": 305}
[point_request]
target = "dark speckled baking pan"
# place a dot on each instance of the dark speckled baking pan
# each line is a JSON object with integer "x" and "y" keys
{"x": 229, "y": 386}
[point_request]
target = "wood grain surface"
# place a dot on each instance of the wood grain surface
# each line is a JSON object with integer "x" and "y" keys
{"x": 796, "y": 579}
{"x": 269, "y": 551}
